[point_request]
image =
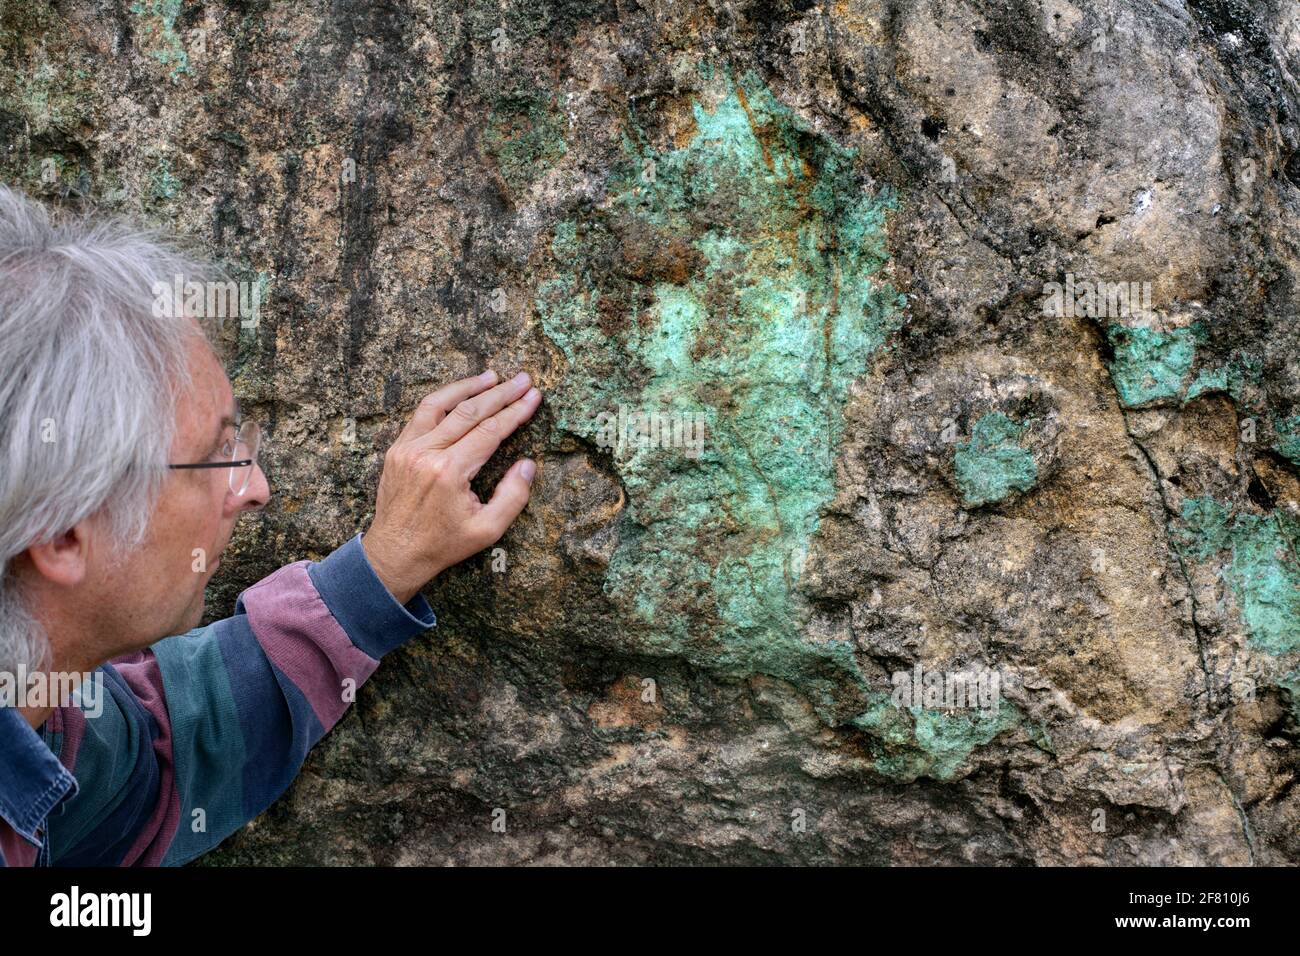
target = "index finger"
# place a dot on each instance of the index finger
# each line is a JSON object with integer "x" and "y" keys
{"x": 479, "y": 444}
{"x": 433, "y": 408}
{"x": 472, "y": 412}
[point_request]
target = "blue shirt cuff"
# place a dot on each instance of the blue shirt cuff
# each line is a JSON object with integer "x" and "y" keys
{"x": 365, "y": 609}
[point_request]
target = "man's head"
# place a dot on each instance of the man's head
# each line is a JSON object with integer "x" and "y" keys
{"x": 103, "y": 548}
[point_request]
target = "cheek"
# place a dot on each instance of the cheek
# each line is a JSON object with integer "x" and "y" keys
{"x": 208, "y": 527}
{"x": 192, "y": 529}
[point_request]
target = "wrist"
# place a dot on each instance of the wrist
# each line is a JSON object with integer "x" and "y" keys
{"x": 402, "y": 587}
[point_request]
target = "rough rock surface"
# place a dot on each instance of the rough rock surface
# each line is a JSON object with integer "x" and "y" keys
{"x": 859, "y": 242}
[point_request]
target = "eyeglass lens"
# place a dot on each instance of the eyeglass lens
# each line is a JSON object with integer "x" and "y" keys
{"x": 247, "y": 441}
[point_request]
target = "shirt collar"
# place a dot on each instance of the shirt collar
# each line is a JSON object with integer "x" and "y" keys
{"x": 32, "y": 780}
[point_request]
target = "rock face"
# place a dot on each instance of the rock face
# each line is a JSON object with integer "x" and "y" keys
{"x": 966, "y": 335}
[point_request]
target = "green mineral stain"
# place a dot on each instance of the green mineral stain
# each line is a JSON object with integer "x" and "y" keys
{"x": 1039, "y": 735}
{"x": 520, "y": 22}
{"x": 1262, "y": 568}
{"x": 1288, "y": 439}
{"x": 162, "y": 184}
{"x": 158, "y": 29}
{"x": 1150, "y": 364}
{"x": 1231, "y": 378}
{"x": 914, "y": 742}
{"x": 48, "y": 96}
{"x": 50, "y": 169}
{"x": 734, "y": 278}
{"x": 993, "y": 464}
{"x": 1212, "y": 380}
{"x": 737, "y": 278}
{"x": 524, "y": 136}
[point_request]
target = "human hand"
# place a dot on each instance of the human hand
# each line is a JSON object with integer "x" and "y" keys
{"x": 426, "y": 516}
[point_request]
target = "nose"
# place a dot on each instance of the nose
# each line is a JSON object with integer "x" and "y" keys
{"x": 258, "y": 492}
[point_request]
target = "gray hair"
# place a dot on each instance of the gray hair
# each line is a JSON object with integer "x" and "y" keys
{"x": 89, "y": 377}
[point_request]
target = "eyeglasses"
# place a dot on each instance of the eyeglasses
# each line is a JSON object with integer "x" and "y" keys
{"x": 239, "y": 454}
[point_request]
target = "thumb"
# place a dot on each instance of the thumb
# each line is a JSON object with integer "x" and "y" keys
{"x": 510, "y": 497}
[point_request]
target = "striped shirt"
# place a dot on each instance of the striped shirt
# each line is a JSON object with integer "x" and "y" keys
{"x": 199, "y": 733}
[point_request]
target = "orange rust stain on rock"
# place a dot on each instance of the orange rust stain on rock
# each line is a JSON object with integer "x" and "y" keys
{"x": 749, "y": 115}
{"x": 685, "y": 126}
{"x": 647, "y": 259}
{"x": 622, "y": 706}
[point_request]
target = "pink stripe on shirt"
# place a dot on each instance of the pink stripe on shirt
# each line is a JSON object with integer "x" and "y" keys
{"x": 16, "y": 850}
{"x": 71, "y": 723}
{"x": 302, "y": 638}
{"x": 142, "y": 674}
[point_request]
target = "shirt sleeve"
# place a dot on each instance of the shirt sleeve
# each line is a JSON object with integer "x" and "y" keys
{"x": 198, "y": 734}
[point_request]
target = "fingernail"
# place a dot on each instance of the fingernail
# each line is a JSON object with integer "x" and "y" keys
{"x": 528, "y": 469}
{"x": 531, "y": 394}
{"x": 521, "y": 379}
{"x": 489, "y": 374}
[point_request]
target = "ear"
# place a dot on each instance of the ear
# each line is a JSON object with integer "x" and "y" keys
{"x": 62, "y": 560}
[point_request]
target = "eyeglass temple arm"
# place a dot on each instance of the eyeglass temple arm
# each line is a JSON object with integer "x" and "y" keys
{"x": 216, "y": 464}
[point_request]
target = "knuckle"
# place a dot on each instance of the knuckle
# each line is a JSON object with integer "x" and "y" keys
{"x": 490, "y": 425}
{"x": 437, "y": 468}
{"x": 466, "y": 410}
{"x": 395, "y": 458}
